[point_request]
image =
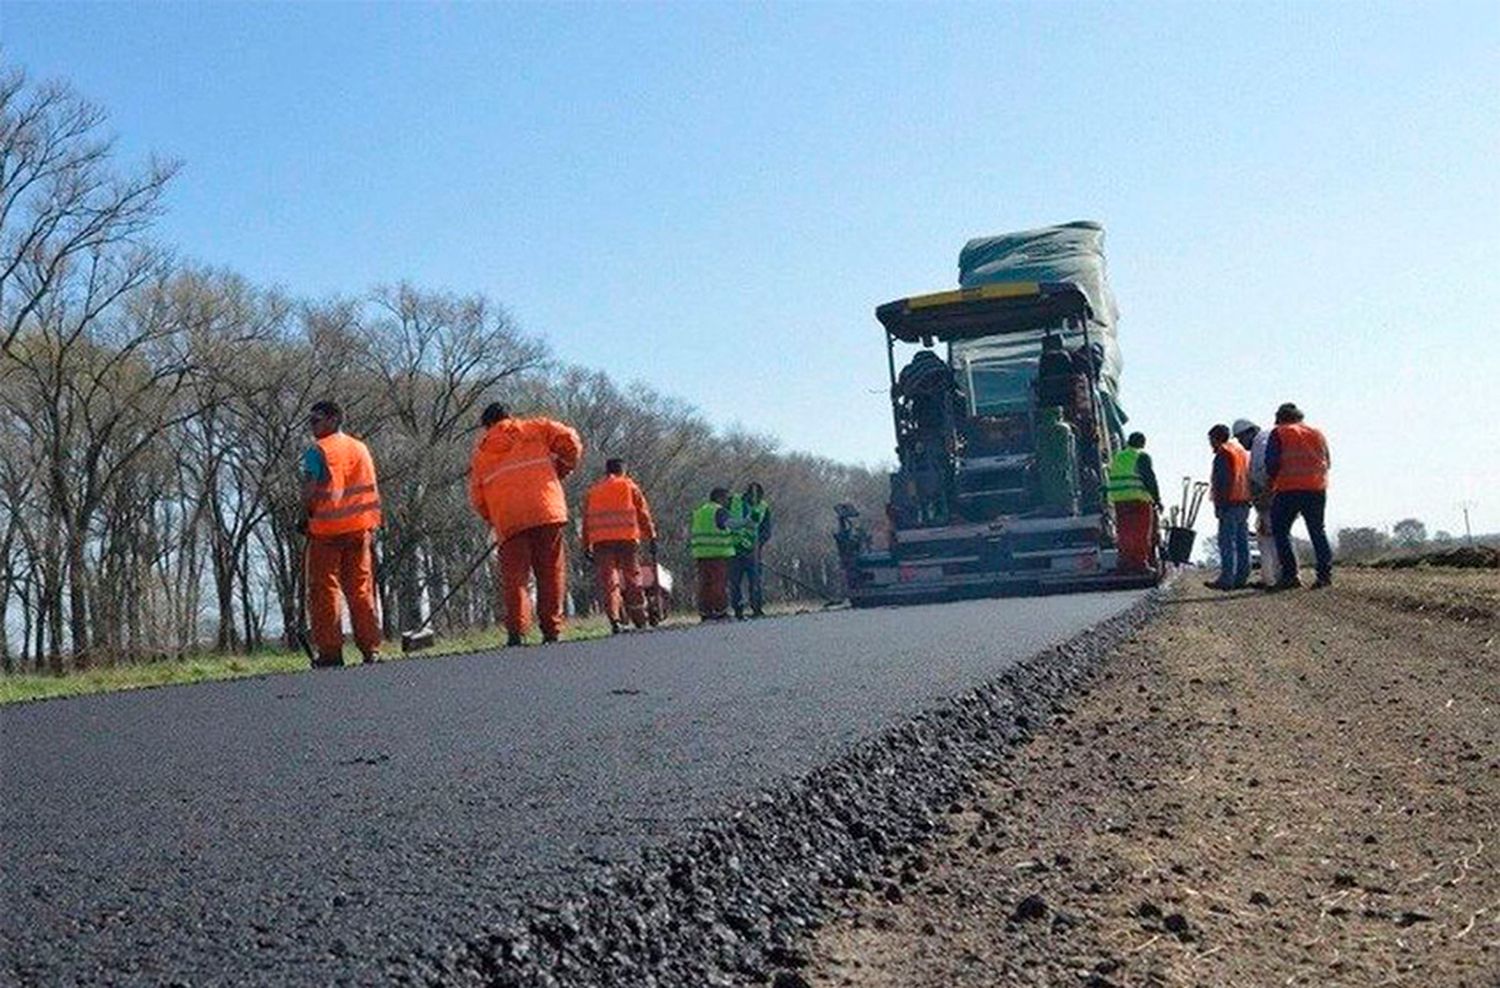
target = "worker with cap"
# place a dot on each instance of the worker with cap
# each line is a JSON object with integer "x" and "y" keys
{"x": 1254, "y": 438}
{"x": 1229, "y": 484}
{"x": 753, "y": 514}
{"x": 1297, "y": 462}
{"x": 515, "y": 485}
{"x": 712, "y": 543}
{"x": 1132, "y": 490}
{"x": 615, "y": 520}
{"x": 342, "y": 504}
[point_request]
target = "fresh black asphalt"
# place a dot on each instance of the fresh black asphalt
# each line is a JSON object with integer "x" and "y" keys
{"x": 305, "y": 829}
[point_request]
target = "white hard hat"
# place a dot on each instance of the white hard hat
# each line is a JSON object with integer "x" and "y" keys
{"x": 1242, "y": 426}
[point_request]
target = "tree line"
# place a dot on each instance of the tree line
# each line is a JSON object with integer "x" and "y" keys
{"x": 153, "y": 413}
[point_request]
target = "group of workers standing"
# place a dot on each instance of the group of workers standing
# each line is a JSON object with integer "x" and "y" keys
{"x": 1281, "y": 473}
{"x": 515, "y": 486}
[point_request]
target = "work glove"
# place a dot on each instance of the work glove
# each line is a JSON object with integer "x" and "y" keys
{"x": 588, "y": 554}
{"x": 653, "y": 548}
{"x": 301, "y": 526}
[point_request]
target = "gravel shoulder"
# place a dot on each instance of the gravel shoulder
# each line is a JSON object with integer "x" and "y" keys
{"x": 1251, "y": 790}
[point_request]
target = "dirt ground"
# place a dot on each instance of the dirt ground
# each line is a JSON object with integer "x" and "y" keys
{"x": 1257, "y": 789}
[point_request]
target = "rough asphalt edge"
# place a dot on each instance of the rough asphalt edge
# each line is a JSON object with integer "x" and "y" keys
{"x": 732, "y": 902}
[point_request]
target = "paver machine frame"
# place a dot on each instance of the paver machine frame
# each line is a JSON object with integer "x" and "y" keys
{"x": 963, "y": 519}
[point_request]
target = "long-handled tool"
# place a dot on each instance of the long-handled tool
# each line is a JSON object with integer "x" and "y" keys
{"x": 1187, "y": 483}
{"x": 827, "y": 601}
{"x": 1199, "y": 489}
{"x": 425, "y": 636}
{"x": 656, "y": 606}
{"x": 300, "y": 632}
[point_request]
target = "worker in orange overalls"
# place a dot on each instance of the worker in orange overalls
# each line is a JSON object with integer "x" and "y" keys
{"x": 1132, "y": 490}
{"x": 342, "y": 502}
{"x": 515, "y": 484}
{"x": 615, "y": 520}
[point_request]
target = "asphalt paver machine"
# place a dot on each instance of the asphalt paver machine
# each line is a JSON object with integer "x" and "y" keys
{"x": 1003, "y": 441}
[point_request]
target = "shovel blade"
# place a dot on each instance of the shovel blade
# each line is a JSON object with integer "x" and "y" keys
{"x": 416, "y": 641}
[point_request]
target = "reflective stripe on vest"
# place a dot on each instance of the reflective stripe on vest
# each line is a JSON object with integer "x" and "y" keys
{"x": 1237, "y": 462}
{"x": 609, "y": 512}
{"x": 514, "y": 465}
{"x": 709, "y": 541}
{"x": 745, "y": 538}
{"x": 1125, "y": 484}
{"x": 350, "y": 501}
{"x": 1304, "y": 459}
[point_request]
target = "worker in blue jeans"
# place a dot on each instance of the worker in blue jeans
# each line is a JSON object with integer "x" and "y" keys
{"x": 750, "y": 517}
{"x": 1230, "y": 485}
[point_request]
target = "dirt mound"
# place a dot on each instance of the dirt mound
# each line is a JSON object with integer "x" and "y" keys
{"x": 1463, "y": 557}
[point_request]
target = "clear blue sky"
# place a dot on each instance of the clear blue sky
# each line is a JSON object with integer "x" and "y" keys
{"x": 1302, "y": 200}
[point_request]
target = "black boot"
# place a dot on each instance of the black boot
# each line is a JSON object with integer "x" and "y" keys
{"x": 614, "y": 626}
{"x": 513, "y": 639}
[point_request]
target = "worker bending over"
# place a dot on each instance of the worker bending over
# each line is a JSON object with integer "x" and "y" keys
{"x": 1254, "y": 438}
{"x": 515, "y": 484}
{"x": 753, "y": 514}
{"x": 342, "y": 504}
{"x": 1132, "y": 490}
{"x": 1297, "y": 462}
{"x": 615, "y": 520}
{"x": 1229, "y": 484}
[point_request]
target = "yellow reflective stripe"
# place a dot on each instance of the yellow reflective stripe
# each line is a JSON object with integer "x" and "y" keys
{"x": 507, "y": 467}
{"x": 1008, "y": 289}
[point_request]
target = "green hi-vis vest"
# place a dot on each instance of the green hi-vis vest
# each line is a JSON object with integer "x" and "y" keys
{"x": 1124, "y": 483}
{"x": 745, "y": 538}
{"x": 709, "y": 541}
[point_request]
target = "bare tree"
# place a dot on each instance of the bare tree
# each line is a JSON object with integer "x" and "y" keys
{"x": 427, "y": 361}
{"x": 63, "y": 208}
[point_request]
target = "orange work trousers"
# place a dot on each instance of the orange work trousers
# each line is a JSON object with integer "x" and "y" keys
{"x": 713, "y": 588}
{"x": 1136, "y": 522}
{"x": 617, "y": 576}
{"x": 537, "y": 550}
{"x": 335, "y": 564}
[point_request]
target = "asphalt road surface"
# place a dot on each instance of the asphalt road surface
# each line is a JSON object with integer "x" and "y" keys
{"x": 303, "y": 829}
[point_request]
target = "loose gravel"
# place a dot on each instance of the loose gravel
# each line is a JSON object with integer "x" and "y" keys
{"x": 736, "y": 902}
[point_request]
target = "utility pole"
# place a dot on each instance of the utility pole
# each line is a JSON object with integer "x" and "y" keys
{"x": 1468, "y": 532}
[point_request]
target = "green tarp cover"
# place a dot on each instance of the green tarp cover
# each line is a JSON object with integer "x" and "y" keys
{"x": 1068, "y": 252}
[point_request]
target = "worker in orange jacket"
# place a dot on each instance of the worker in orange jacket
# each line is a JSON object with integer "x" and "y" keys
{"x": 1297, "y": 461}
{"x": 1230, "y": 485}
{"x": 342, "y": 504}
{"x": 615, "y": 520}
{"x": 515, "y": 484}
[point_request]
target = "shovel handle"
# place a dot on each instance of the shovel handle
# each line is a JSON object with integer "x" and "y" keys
{"x": 459, "y": 585}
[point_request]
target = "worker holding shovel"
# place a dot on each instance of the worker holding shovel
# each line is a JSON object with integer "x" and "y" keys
{"x": 515, "y": 484}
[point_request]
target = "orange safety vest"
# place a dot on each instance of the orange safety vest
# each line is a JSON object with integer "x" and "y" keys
{"x": 1237, "y": 459}
{"x": 610, "y": 512}
{"x": 1304, "y": 459}
{"x": 515, "y": 473}
{"x": 350, "y": 500}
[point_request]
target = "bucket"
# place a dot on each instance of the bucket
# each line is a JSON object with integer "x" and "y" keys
{"x": 1180, "y": 544}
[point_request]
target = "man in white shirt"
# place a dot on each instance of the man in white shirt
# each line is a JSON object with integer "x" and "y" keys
{"x": 1254, "y": 438}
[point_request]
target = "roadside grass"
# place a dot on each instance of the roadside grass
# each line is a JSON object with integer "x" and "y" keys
{"x": 209, "y": 667}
